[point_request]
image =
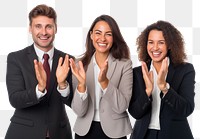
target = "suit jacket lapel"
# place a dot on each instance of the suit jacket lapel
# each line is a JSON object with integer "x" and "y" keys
{"x": 111, "y": 66}
{"x": 90, "y": 75}
{"x": 90, "y": 80}
{"x": 31, "y": 56}
{"x": 53, "y": 79}
{"x": 170, "y": 74}
{"x": 169, "y": 78}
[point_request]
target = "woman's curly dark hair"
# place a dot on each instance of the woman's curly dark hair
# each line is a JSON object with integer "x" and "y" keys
{"x": 173, "y": 38}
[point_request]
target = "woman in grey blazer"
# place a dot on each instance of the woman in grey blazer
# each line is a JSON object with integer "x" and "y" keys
{"x": 103, "y": 83}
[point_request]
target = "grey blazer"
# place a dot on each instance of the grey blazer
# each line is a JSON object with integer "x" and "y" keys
{"x": 113, "y": 104}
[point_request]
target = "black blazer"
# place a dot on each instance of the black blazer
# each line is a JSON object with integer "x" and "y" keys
{"x": 32, "y": 117}
{"x": 176, "y": 105}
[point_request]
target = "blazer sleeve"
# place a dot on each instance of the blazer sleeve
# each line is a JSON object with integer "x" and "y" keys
{"x": 140, "y": 103}
{"x": 79, "y": 106}
{"x": 119, "y": 96}
{"x": 19, "y": 95}
{"x": 180, "y": 97}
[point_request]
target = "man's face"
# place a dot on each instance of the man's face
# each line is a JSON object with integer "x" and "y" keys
{"x": 43, "y": 30}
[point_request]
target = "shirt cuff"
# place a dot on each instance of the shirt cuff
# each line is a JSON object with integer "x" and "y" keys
{"x": 39, "y": 94}
{"x": 83, "y": 95}
{"x": 64, "y": 92}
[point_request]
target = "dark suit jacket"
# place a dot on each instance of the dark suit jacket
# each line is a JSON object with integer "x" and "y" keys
{"x": 176, "y": 105}
{"x": 32, "y": 117}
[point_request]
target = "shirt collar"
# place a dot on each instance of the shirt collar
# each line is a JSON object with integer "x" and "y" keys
{"x": 94, "y": 59}
{"x": 40, "y": 53}
{"x": 153, "y": 68}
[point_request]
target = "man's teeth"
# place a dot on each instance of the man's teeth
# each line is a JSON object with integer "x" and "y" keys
{"x": 43, "y": 38}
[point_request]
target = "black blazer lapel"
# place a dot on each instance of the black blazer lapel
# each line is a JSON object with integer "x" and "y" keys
{"x": 31, "y": 56}
{"x": 169, "y": 78}
{"x": 53, "y": 79}
{"x": 170, "y": 74}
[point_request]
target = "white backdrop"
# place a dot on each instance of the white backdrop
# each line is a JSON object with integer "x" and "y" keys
{"x": 74, "y": 20}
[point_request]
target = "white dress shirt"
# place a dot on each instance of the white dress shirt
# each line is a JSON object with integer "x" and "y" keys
{"x": 40, "y": 53}
{"x": 99, "y": 91}
{"x": 156, "y": 103}
{"x": 155, "y": 111}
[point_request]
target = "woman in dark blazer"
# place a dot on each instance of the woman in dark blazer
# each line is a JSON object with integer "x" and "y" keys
{"x": 163, "y": 86}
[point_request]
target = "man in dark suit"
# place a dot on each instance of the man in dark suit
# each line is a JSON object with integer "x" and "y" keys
{"x": 37, "y": 95}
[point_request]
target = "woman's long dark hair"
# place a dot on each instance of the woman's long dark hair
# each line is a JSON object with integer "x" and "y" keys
{"x": 119, "y": 48}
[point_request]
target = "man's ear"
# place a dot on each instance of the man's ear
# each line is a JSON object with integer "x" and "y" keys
{"x": 56, "y": 29}
{"x": 29, "y": 29}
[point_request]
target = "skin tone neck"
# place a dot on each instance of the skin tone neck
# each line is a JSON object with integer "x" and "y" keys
{"x": 44, "y": 49}
{"x": 101, "y": 58}
{"x": 157, "y": 66}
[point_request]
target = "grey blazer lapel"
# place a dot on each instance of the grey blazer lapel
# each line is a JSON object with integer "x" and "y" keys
{"x": 111, "y": 66}
{"x": 90, "y": 80}
{"x": 90, "y": 75}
